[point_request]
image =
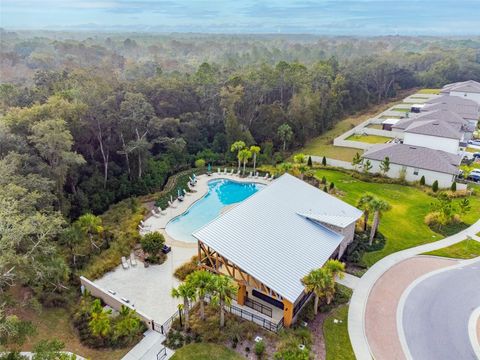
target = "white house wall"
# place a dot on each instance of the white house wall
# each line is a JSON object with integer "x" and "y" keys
{"x": 432, "y": 142}
{"x": 471, "y": 96}
{"x": 444, "y": 180}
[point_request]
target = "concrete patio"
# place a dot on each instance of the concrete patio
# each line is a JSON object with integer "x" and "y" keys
{"x": 148, "y": 289}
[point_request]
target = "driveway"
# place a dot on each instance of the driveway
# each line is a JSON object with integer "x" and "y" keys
{"x": 437, "y": 311}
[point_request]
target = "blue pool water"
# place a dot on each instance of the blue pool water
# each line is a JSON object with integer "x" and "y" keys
{"x": 221, "y": 193}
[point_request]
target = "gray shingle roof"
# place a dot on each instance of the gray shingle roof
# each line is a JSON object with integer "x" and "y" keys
{"x": 266, "y": 237}
{"x": 442, "y": 116}
{"x": 435, "y": 128}
{"x": 466, "y": 108}
{"x": 416, "y": 157}
{"x": 469, "y": 86}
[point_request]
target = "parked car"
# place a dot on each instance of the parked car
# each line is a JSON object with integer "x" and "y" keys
{"x": 474, "y": 175}
{"x": 474, "y": 142}
{"x": 476, "y": 155}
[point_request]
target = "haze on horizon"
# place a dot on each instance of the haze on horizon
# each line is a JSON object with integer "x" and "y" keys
{"x": 328, "y": 17}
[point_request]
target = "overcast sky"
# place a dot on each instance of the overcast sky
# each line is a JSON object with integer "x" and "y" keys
{"x": 335, "y": 17}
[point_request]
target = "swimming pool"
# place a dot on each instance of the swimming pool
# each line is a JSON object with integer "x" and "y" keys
{"x": 221, "y": 193}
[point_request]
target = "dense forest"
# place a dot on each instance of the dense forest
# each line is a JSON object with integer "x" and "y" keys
{"x": 90, "y": 119}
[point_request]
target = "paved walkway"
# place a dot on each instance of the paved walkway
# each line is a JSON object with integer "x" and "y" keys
{"x": 358, "y": 302}
{"x": 349, "y": 281}
{"x": 381, "y": 311}
{"x": 436, "y": 313}
{"x": 148, "y": 347}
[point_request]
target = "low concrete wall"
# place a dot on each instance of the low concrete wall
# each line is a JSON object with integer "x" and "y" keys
{"x": 333, "y": 162}
{"x": 113, "y": 301}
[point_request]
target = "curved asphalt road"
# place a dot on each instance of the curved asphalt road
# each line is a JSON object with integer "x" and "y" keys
{"x": 436, "y": 314}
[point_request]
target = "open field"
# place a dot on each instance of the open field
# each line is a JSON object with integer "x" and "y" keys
{"x": 323, "y": 144}
{"x": 370, "y": 139}
{"x": 205, "y": 351}
{"x": 403, "y": 226}
{"x": 466, "y": 249}
{"x": 337, "y": 341}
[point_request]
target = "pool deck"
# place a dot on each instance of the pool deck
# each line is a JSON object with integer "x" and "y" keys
{"x": 201, "y": 189}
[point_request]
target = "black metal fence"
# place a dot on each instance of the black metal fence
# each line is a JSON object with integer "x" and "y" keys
{"x": 247, "y": 315}
{"x": 255, "y": 305}
{"x": 162, "y": 354}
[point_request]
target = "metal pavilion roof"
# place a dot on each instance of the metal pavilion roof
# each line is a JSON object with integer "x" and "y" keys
{"x": 266, "y": 237}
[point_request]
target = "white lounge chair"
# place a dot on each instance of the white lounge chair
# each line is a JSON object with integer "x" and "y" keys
{"x": 250, "y": 175}
{"x": 256, "y": 175}
{"x": 157, "y": 215}
{"x": 225, "y": 171}
{"x": 219, "y": 171}
{"x": 265, "y": 177}
{"x": 160, "y": 211}
{"x": 231, "y": 172}
{"x": 192, "y": 190}
{"x": 171, "y": 204}
{"x": 185, "y": 192}
{"x": 125, "y": 263}
{"x": 133, "y": 261}
{"x": 270, "y": 178}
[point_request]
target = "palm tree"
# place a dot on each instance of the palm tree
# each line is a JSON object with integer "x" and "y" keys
{"x": 317, "y": 281}
{"x": 187, "y": 292}
{"x": 99, "y": 319}
{"x": 322, "y": 281}
{"x": 224, "y": 292}
{"x": 336, "y": 268}
{"x": 128, "y": 323}
{"x": 203, "y": 282}
{"x": 244, "y": 155}
{"x": 236, "y": 147}
{"x": 90, "y": 225}
{"x": 378, "y": 207}
{"x": 255, "y": 150}
{"x": 364, "y": 204}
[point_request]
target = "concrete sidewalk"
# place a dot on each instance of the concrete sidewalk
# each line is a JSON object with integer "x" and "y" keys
{"x": 358, "y": 302}
{"x": 148, "y": 347}
{"x": 349, "y": 281}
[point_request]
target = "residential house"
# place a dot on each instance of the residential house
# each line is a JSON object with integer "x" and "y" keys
{"x": 412, "y": 162}
{"x": 465, "y": 89}
{"x": 467, "y": 109}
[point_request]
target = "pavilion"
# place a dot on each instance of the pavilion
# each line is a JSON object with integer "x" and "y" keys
{"x": 270, "y": 241}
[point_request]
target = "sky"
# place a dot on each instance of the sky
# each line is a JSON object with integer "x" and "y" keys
{"x": 326, "y": 17}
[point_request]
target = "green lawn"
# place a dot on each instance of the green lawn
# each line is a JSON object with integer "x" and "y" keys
{"x": 370, "y": 139}
{"x": 472, "y": 150}
{"x": 429, "y": 91}
{"x": 403, "y": 226}
{"x": 337, "y": 341}
{"x": 466, "y": 249}
{"x": 390, "y": 117}
{"x": 205, "y": 351}
{"x": 401, "y": 110}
